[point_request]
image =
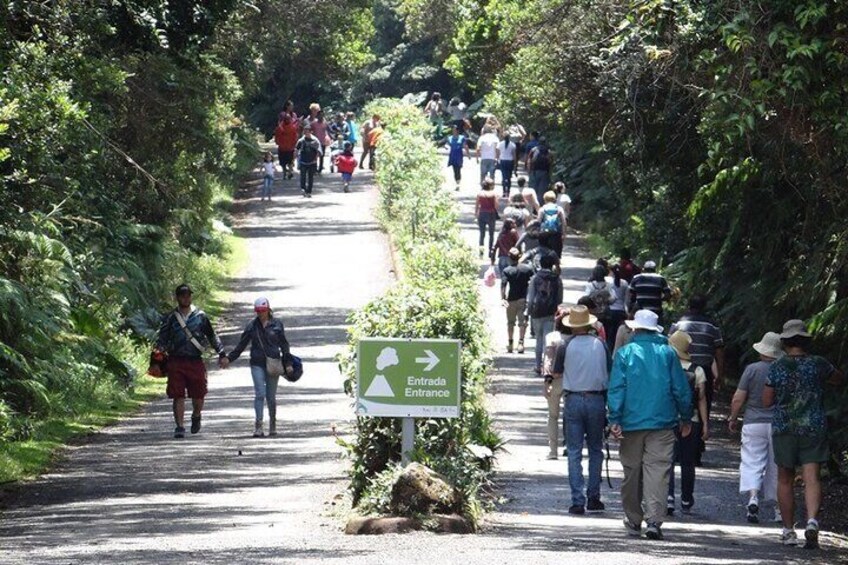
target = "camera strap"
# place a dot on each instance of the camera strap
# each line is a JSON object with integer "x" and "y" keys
{"x": 187, "y": 331}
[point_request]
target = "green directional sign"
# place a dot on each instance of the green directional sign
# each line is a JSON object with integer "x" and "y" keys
{"x": 408, "y": 378}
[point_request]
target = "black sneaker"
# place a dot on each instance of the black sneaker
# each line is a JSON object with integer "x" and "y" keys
{"x": 577, "y": 509}
{"x": 811, "y": 536}
{"x": 595, "y": 505}
{"x": 653, "y": 531}
{"x": 195, "y": 424}
{"x": 686, "y": 505}
{"x": 179, "y": 432}
{"x": 669, "y": 506}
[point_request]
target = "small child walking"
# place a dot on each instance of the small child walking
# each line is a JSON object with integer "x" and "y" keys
{"x": 346, "y": 164}
{"x": 268, "y": 180}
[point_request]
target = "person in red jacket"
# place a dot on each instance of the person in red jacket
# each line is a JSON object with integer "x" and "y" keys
{"x": 346, "y": 164}
{"x": 285, "y": 136}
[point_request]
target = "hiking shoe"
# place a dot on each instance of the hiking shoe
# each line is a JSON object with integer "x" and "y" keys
{"x": 752, "y": 518}
{"x": 179, "y": 432}
{"x": 789, "y": 537}
{"x": 811, "y": 535}
{"x": 565, "y": 452}
{"x": 272, "y": 428}
{"x": 632, "y": 529}
{"x": 653, "y": 531}
{"x": 576, "y": 509}
{"x": 686, "y": 506}
{"x": 753, "y": 508}
{"x": 257, "y": 429}
{"x": 195, "y": 424}
{"x": 595, "y": 505}
{"x": 669, "y": 506}
{"x": 509, "y": 347}
{"x": 520, "y": 347}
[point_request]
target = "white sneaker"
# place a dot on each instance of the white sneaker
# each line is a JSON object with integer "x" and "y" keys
{"x": 789, "y": 537}
{"x": 777, "y": 516}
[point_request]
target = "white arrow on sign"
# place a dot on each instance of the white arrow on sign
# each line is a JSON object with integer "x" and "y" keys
{"x": 431, "y": 360}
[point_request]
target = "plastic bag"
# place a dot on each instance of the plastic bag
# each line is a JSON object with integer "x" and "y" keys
{"x": 489, "y": 277}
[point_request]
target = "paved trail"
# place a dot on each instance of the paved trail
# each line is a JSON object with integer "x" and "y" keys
{"x": 131, "y": 494}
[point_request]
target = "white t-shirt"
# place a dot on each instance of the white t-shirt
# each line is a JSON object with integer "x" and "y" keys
{"x": 564, "y": 201}
{"x": 620, "y": 293}
{"x": 507, "y": 152}
{"x": 487, "y": 143}
{"x": 269, "y": 168}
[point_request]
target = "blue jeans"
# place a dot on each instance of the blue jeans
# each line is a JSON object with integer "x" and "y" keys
{"x": 585, "y": 416}
{"x": 487, "y": 168}
{"x": 264, "y": 389}
{"x": 506, "y": 168}
{"x": 541, "y": 328}
{"x": 486, "y": 222}
{"x": 539, "y": 181}
{"x": 267, "y": 183}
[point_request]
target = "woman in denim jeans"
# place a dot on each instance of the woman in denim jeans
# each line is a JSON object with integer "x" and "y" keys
{"x": 267, "y": 338}
{"x": 486, "y": 212}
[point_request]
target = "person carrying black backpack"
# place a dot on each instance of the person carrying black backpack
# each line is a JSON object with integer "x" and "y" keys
{"x": 543, "y": 297}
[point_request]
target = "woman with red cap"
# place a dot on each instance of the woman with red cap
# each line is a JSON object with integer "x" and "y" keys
{"x": 269, "y": 356}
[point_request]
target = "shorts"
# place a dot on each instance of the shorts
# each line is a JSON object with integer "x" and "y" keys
{"x": 286, "y": 157}
{"x": 347, "y": 176}
{"x": 186, "y": 374}
{"x": 515, "y": 311}
{"x": 791, "y": 450}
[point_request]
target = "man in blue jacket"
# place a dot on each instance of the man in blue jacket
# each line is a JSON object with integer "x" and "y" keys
{"x": 649, "y": 396}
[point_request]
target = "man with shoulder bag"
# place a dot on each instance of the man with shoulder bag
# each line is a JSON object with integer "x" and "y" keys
{"x": 183, "y": 336}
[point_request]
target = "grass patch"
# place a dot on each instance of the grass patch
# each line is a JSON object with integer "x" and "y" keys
{"x": 599, "y": 246}
{"x": 21, "y": 460}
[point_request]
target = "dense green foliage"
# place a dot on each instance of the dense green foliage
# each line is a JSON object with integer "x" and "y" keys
{"x": 436, "y": 297}
{"x": 711, "y": 136}
{"x": 117, "y": 134}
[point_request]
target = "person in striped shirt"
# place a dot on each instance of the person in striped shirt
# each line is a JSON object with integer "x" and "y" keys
{"x": 707, "y": 349}
{"x": 650, "y": 290}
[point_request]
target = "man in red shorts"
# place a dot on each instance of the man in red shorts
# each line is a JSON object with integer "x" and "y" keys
{"x": 184, "y": 334}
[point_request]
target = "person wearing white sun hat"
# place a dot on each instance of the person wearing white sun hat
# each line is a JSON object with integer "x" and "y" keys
{"x": 267, "y": 339}
{"x": 649, "y": 396}
{"x": 757, "y": 469}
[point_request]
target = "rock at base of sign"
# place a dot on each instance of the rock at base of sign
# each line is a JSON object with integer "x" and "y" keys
{"x": 420, "y": 490}
{"x": 439, "y": 523}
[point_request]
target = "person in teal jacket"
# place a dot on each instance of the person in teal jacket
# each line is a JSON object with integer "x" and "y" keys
{"x": 649, "y": 396}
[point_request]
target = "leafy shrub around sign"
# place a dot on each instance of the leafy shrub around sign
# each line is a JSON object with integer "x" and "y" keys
{"x": 436, "y": 298}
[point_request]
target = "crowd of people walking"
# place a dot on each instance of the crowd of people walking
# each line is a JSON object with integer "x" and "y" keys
{"x": 310, "y": 143}
{"x": 610, "y": 367}
{"x": 607, "y": 365}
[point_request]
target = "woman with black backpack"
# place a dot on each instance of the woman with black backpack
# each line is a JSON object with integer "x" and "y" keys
{"x": 269, "y": 358}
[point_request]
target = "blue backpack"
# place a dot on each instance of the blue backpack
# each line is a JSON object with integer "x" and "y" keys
{"x": 551, "y": 221}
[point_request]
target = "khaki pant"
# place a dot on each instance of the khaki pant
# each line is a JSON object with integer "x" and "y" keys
{"x": 646, "y": 458}
{"x": 554, "y": 403}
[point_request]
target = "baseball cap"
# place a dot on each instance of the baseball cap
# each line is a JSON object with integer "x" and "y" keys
{"x": 183, "y": 289}
{"x": 261, "y": 304}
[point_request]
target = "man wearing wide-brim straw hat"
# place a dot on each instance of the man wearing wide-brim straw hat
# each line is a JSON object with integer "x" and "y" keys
{"x": 648, "y": 398}
{"x": 687, "y": 448}
{"x": 581, "y": 362}
{"x": 757, "y": 470}
{"x": 795, "y": 386}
